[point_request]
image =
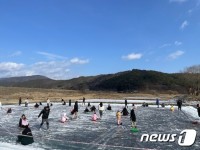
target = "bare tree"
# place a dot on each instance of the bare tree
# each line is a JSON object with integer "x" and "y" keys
{"x": 195, "y": 79}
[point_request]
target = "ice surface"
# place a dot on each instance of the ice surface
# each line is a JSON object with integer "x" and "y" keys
{"x": 82, "y": 133}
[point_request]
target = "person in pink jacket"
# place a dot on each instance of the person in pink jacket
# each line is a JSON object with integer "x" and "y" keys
{"x": 94, "y": 117}
{"x": 23, "y": 122}
{"x": 64, "y": 118}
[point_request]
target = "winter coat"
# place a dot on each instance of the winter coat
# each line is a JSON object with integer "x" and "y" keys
{"x": 198, "y": 110}
{"x": 179, "y": 102}
{"x": 76, "y": 108}
{"x": 64, "y": 117}
{"x": 94, "y": 117}
{"x": 27, "y": 131}
{"x": 126, "y": 102}
{"x": 132, "y": 115}
{"x": 118, "y": 115}
{"x": 101, "y": 108}
{"x": 157, "y": 102}
{"x": 125, "y": 112}
{"x": 44, "y": 113}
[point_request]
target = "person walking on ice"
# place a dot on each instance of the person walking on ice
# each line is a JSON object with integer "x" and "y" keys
{"x": 45, "y": 115}
{"x": 101, "y": 109}
{"x": 179, "y": 104}
{"x": 133, "y": 117}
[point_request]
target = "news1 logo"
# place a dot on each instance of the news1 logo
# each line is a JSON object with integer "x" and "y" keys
{"x": 186, "y": 138}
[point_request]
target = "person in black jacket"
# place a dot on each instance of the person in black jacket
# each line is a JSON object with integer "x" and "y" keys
{"x": 36, "y": 105}
{"x": 86, "y": 110}
{"x": 125, "y": 112}
{"x": 93, "y": 108}
{"x": 109, "y": 107}
{"x": 198, "y": 109}
{"x": 179, "y": 104}
{"x": 126, "y": 103}
{"x": 45, "y": 116}
{"x": 26, "y": 137}
{"x": 76, "y": 109}
{"x": 20, "y": 101}
{"x": 133, "y": 117}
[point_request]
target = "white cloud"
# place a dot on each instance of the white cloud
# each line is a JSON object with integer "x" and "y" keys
{"x": 177, "y": 43}
{"x": 132, "y": 56}
{"x": 79, "y": 61}
{"x": 176, "y": 54}
{"x": 52, "y": 69}
{"x": 184, "y": 24}
{"x": 178, "y": 1}
{"x": 165, "y": 45}
{"x": 10, "y": 66}
{"x": 17, "y": 53}
{"x": 51, "y": 56}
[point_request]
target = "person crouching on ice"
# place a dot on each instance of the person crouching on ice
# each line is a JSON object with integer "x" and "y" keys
{"x": 172, "y": 108}
{"x": 9, "y": 111}
{"x": 26, "y": 137}
{"x": 64, "y": 118}
{"x": 23, "y": 122}
{"x": 94, "y": 117}
{"x": 119, "y": 116}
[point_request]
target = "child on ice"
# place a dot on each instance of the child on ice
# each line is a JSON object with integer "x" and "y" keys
{"x": 119, "y": 115}
{"x": 64, "y": 117}
{"x": 94, "y": 117}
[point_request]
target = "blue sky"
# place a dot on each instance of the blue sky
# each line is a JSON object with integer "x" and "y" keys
{"x": 63, "y": 39}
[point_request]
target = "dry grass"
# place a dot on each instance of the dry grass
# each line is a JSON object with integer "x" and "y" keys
{"x": 10, "y": 95}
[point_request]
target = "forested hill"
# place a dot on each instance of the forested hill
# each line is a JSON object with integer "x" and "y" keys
{"x": 128, "y": 81}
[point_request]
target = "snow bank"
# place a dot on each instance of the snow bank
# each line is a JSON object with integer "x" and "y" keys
{"x": 9, "y": 146}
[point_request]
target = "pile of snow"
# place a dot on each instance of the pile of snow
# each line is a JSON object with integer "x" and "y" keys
{"x": 9, "y": 146}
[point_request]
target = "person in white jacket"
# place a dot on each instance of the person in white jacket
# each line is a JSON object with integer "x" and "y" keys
{"x": 101, "y": 109}
{"x": 48, "y": 102}
{"x": 64, "y": 117}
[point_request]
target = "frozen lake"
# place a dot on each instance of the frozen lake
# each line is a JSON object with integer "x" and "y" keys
{"x": 84, "y": 134}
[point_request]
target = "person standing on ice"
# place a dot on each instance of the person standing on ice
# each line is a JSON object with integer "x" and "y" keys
{"x": 101, "y": 109}
{"x": 48, "y": 102}
{"x": 75, "y": 110}
{"x": 45, "y": 115}
{"x": 157, "y": 102}
{"x": 119, "y": 116}
{"x": 83, "y": 101}
{"x": 26, "y": 102}
{"x": 133, "y": 117}
{"x": 198, "y": 109}
{"x": 126, "y": 103}
{"x": 20, "y": 101}
{"x": 179, "y": 104}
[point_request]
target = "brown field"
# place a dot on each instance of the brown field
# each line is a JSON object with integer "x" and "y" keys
{"x": 10, "y": 95}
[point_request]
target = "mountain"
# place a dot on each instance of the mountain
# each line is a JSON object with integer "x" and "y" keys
{"x": 127, "y": 81}
{"x": 14, "y": 81}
